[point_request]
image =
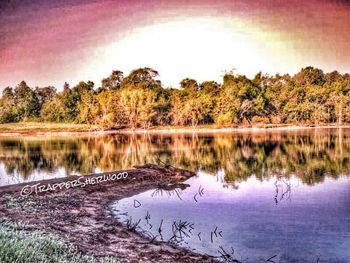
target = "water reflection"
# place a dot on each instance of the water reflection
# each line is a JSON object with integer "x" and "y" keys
{"x": 280, "y": 219}
{"x": 311, "y": 155}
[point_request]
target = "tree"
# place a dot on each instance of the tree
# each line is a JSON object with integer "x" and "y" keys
{"x": 176, "y": 113}
{"x": 8, "y": 94}
{"x": 108, "y": 111}
{"x": 228, "y": 103}
{"x": 193, "y": 103}
{"x": 340, "y": 98}
{"x": 246, "y": 98}
{"x": 45, "y": 94}
{"x": 54, "y": 111}
{"x": 141, "y": 78}
{"x": 279, "y": 93}
{"x": 113, "y": 81}
{"x": 26, "y": 101}
{"x": 66, "y": 87}
{"x": 140, "y": 97}
{"x": 210, "y": 87}
{"x": 8, "y": 110}
{"x": 86, "y": 107}
{"x": 139, "y": 106}
{"x": 309, "y": 76}
{"x": 189, "y": 85}
{"x": 63, "y": 106}
{"x": 83, "y": 87}
{"x": 197, "y": 110}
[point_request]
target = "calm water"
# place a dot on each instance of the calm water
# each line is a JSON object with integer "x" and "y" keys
{"x": 311, "y": 155}
{"x": 282, "y": 194}
{"x": 287, "y": 219}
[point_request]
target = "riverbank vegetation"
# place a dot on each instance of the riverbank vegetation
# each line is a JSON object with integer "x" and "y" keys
{"x": 140, "y": 101}
{"x": 20, "y": 243}
{"x": 45, "y": 127}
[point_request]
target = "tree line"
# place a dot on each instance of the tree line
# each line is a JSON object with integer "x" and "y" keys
{"x": 140, "y": 101}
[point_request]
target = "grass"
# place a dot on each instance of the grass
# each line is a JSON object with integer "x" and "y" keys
{"x": 21, "y": 244}
{"x": 32, "y": 126}
{"x": 44, "y": 127}
{"x": 20, "y": 202}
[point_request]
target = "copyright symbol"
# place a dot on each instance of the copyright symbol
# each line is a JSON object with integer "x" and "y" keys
{"x": 27, "y": 190}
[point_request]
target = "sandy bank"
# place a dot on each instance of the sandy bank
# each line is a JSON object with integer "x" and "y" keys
{"x": 83, "y": 215}
{"x": 168, "y": 130}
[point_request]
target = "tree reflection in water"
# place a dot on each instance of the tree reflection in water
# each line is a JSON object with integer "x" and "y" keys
{"x": 311, "y": 155}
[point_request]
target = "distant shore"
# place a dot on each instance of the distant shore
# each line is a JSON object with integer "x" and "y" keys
{"x": 36, "y": 128}
{"x": 209, "y": 129}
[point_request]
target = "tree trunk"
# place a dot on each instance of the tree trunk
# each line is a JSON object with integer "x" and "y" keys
{"x": 194, "y": 123}
{"x": 340, "y": 114}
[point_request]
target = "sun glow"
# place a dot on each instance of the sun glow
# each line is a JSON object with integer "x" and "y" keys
{"x": 201, "y": 48}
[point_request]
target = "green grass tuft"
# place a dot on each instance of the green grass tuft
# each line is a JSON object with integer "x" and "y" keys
{"x": 21, "y": 244}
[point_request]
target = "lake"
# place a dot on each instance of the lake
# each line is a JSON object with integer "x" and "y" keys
{"x": 278, "y": 195}
{"x": 256, "y": 219}
{"x": 311, "y": 155}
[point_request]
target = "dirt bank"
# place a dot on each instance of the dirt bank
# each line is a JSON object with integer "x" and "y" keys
{"x": 161, "y": 130}
{"x": 82, "y": 214}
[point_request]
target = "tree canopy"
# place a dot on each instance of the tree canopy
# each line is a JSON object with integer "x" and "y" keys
{"x": 139, "y": 100}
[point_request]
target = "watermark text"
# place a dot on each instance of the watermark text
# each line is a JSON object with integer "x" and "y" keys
{"x": 80, "y": 182}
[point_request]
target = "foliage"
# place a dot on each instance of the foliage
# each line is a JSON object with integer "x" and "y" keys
{"x": 140, "y": 101}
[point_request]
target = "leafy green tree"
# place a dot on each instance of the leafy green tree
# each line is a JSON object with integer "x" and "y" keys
{"x": 54, "y": 110}
{"x": 142, "y": 78}
{"x": 227, "y": 107}
{"x": 140, "y": 97}
{"x": 108, "y": 110}
{"x": 26, "y": 101}
{"x": 83, "y": 87}
{"x": 186, "y": 106}
{"x": 113, "y": 81}
{"x": 278, "y": 92}
{"x": 176, "y": 113}
{"x": 8, "y": 110}
{"x": 189, "y": 85}
{"x": 309, "y": 76}
{"x": 211, "y": 88}
{"x": 8, "y": 94}
{"x": 139, "y": 106}
{"x": 63, "y": 107}
{"x": 197, "y": 110}
{"x": 340, "y": 98}
{"x": 45, "y": 94}
{"x": 86, "y": 108}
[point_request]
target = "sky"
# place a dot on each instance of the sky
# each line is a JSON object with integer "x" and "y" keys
{"x": 48, "y": 42}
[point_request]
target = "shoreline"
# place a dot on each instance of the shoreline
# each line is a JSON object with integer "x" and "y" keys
{"x": 171, "y": 130}
{"x": 83, "y": 215}
{"x": 230, "y": 130}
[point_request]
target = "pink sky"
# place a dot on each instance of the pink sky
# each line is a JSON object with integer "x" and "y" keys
{"x": 48, "y": 43}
